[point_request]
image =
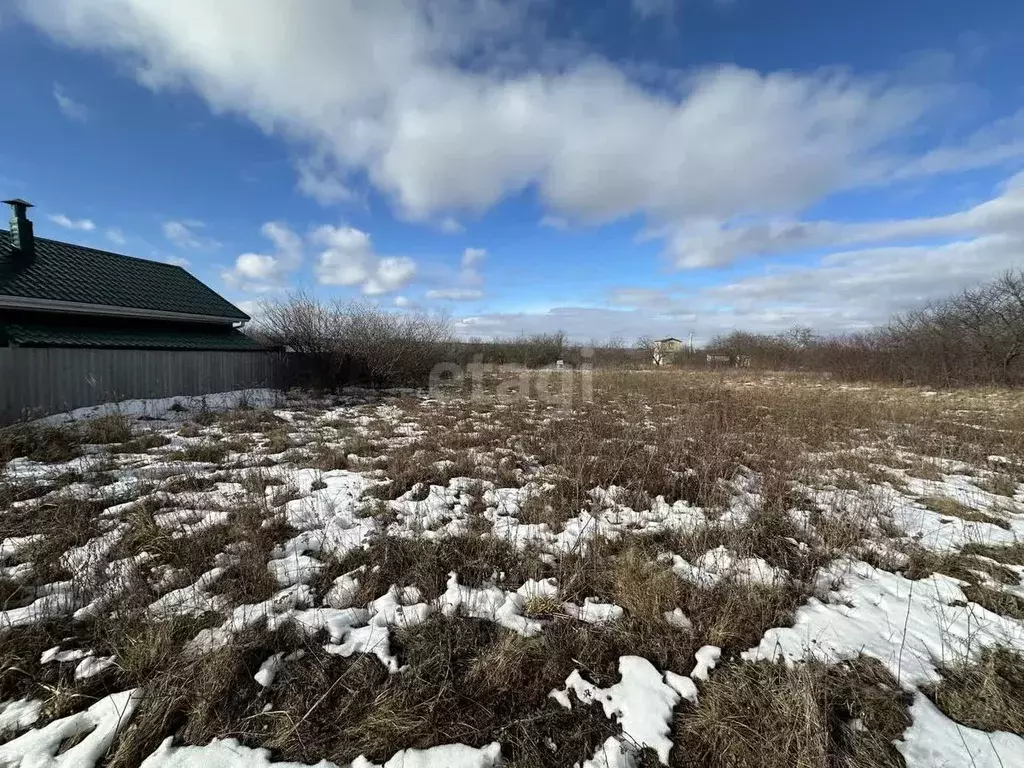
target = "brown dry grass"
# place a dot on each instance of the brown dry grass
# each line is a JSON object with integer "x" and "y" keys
{"x": 681, "y": 436}
{"x": 953, "y": 508}
{"x": 468, "y": 681}
{"x": 1000, "y": 483}
{"x": 966, "y": 567}
{"x": 208, "y": 451}
{"x": 804, "y": 716}
{"x": 142, "y": 443}
{"x": 1003, "y": 603}
{"x": 426, "y": 564}
{"x": 960, "y": 565}
{"x": 52, "y": 443}
{"x": 38, "y": 443}
{"x": 987, "y": 694}
{"x": 1012, "y": 554}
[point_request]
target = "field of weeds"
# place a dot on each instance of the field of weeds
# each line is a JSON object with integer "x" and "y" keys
{"x": 658, "y": 569}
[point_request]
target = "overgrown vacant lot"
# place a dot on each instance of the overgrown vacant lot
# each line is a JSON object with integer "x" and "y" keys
{"x": 684, "y": 569}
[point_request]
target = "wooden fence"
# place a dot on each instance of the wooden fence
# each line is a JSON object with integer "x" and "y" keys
{"x": 41, "y": 381}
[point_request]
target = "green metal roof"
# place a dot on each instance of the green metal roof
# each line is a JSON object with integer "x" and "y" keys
{"x": 66, "y": 272}
{"x": 224, "y": 339}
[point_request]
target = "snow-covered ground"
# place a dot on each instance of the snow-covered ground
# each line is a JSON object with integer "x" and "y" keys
{"x": 267, "y": 502}
{"x": 181, "y": 407}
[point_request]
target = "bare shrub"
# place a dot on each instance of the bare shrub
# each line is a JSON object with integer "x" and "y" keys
{"x": 531, "y": 351}
{"x": 339, "y": 343}
{"x": 974, "y": 338}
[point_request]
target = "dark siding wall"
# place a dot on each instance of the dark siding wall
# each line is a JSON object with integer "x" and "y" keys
{"x": 37, "y": 382}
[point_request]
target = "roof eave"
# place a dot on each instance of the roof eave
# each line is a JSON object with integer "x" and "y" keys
{"x": 73, "y": 307}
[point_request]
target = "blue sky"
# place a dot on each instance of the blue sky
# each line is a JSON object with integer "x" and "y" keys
{"x": 616, "y": 169}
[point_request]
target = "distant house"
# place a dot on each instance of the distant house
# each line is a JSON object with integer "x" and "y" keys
{"x": 666, "y": 349}
{"x": 80, "y": 326}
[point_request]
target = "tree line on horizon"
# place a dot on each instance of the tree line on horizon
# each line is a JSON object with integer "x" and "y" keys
{"x": 975, "y": 337}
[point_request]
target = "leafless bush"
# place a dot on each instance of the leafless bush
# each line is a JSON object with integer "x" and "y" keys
{"x": 338, "y": 343}
{"x": 532, "y": 351}
{"x": 974, "y": 338}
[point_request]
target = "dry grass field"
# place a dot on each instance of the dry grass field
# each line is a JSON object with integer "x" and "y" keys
{"x": 683, "y": 569}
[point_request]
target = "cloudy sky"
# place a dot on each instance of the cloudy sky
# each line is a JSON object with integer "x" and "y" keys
{"x": 611, "y": 169}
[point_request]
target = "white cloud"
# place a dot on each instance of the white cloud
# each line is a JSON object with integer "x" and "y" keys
{"x": 714, "y": 243}
{"x": 440, "y": 138}
{"x": 639, "y": 297}
{"x": 116, "y": 236}
{"x": 346, "y": 258}
{"x": 393, "y": 272}
{"x": 991, "y": 145}
{"x": 71, "y": 109}
{"x": 472, "y": 256}
{"x": 463, "y": 285}
{"x": 451, "y": 226}
{"x": 455, "y": 294}
{"x": 655, "y": 8}
{"x": 288, "y": 244}
{"x": 85, "y": 225}
{"x": 185, "y": 234}
{"x": 178, "y": 261}
{"x": 402, "y": 302}
{"x": 847, "y": 290}
{"x": 250, "y": 307}
{"x": 256, "y": 266}
{"x": 859, "y": 289}
{"x": 349, "y": 259}
{"x": 322, "y": 181}
{"x": 554, "y": 222}
{"x": 260, "y": 272}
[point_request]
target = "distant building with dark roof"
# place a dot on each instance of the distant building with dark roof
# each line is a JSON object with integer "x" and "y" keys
{"x": 158, "y": 326}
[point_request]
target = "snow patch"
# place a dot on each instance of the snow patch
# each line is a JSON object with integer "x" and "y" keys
{"x": 641, "y": 702}
{"x": 97, "y": 726}
{"x": 907, "y": 625}
{"x": 169, "y": 407}
{"x": 446, "y": 756}
{"x": 92, "y": 666}
{"x": 17, "y": 715}
{"x": 707, "y": 659}
{"x": 504, "y": 608}
{"x": 934, "y": 740}
{"x": 719, "y": 564}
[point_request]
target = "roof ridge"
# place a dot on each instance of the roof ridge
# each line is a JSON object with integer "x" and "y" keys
{"x": 105, "y": 252}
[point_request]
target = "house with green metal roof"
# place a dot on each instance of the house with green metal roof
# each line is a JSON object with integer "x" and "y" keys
{"x": 65, "y": 295}
{"x": 120, "y": 314}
